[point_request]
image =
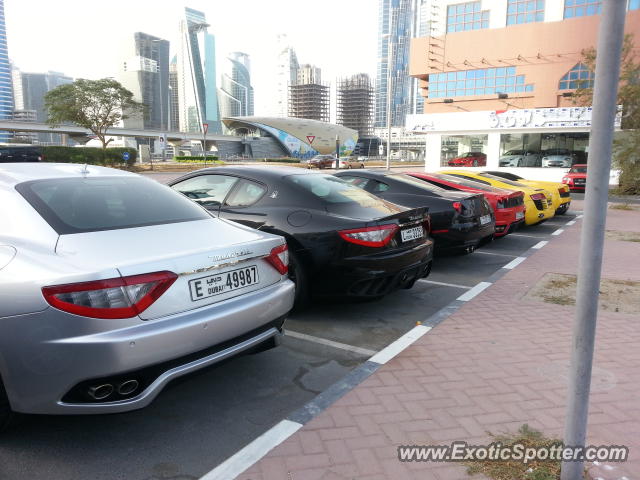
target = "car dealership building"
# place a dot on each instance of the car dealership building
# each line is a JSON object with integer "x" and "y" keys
{"x": 499, "y": 76}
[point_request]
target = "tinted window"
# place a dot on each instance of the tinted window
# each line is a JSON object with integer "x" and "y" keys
{"x": 578, "y": 170}
{"x": 207, "y": 190}
{"x": 515, "y": 152}
{"x": 78, "y": 205}
{"x": 360, "y": 182}
{"x": 417, "y": 183}
{"x": 247, "y": 193}
{"x": 332, "y": 189}
{"x": 503, "y": 180}
{"x": 557, "y": 151}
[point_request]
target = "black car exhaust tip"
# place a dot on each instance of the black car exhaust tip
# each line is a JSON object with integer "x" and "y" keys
{"x": 101, "y": 392}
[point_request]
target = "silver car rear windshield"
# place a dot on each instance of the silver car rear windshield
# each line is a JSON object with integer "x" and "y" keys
{"x": 80, "y": 205}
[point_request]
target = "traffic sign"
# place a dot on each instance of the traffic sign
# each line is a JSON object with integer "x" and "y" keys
{"x": 205, "y": 128}
{"x": 126, "y": 156}
{"x": 311, "y": 138}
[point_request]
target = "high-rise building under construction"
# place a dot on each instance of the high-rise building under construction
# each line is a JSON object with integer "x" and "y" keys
{"x": 309, "y": 97}
{"x": 355, "y": 103}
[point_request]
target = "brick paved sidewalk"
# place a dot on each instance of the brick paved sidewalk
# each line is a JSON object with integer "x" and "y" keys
{"x": 498, "y": 362}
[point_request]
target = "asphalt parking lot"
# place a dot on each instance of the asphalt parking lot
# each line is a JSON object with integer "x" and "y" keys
{"x": 200, "y": 420}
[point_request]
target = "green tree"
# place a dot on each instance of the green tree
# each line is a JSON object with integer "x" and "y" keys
{"x": 93, "y": 104}
{"x": 627, "y": 146}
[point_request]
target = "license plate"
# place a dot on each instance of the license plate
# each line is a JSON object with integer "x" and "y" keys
{"x": 223, "y": 282}
{"x": 485, "y": 219}
{"x": 412, "y": 233}
{"x": 519, "y": 215}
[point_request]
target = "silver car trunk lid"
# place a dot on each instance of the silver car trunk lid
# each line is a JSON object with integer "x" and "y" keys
{"x": 201, "y": 251}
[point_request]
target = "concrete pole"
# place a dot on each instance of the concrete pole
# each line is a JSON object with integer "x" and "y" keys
{"x": 610, "y": 37}
{"x": 389, "y": 89}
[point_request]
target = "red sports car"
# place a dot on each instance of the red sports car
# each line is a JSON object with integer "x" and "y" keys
{"x": 469, "y": 159}
{"x": 576, "y": 178}
{"x": 507, "y": 205}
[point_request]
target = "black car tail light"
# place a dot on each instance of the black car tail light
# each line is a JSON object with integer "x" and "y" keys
{"x": 123, "y": 297}
{"x": 457, "y": 206}
{"x": 502, "y": 201}
{"x": 370, "y": 236}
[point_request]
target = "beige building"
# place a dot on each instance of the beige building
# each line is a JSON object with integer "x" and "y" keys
{"x": 499, "y": 76}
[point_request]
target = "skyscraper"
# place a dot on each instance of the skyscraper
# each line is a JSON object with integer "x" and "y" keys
{"x": 6, "y": 90}
{"x": 196, "y": 72}
{"x": 286, "y": 75}
{"x": 145, "y": 72}
{"x": 236, "y": 92}
{"x": 29, "y": 92}
{"x": 174, "y": 102}
{"x": 395, "y": 21}
{"x": 309, "y": 98}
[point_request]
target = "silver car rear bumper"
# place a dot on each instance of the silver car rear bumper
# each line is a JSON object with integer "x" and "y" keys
{"x": 41, "y": 360}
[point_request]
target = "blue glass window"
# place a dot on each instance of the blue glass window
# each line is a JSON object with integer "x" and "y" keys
{"x": 487, "y": 81}
{"x": 581, "y": 8}
{"x": 466, "y": 16}
{"x": 578, "y": 77}
{"x": 524, "y": 11}
{"x": 634, "y": 4}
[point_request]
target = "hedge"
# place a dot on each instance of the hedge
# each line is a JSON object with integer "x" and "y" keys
{"x": 188, "y": 158}
{"x": 90, "y": 155}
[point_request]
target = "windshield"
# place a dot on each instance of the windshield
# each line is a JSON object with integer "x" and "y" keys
{"x": 578, "y": 170}
{"x": 557, "y": 151}
{"x": 503, "y": 180}
{"x": 80, "y": 205}
{"x": 514, "y": 152}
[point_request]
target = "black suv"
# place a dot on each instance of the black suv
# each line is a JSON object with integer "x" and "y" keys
{"x": 20, "y": 153}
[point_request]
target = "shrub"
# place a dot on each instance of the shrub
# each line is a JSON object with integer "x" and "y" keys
{"x": 90, "y": 155}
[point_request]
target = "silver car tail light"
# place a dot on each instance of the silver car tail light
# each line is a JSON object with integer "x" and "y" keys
{"x": 279, "y": 259}
{"x": 123, "y": 297}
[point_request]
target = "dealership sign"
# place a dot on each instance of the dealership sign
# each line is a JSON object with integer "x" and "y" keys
{"x": 536, "y": 118}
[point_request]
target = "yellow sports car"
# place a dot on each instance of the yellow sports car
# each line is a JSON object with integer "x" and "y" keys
{"x": 538, "y": 201}
{"x": 560, "y": 194}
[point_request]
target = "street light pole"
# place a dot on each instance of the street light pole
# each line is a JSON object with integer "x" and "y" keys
{"x": 389, "y": 89}
{"x": 610, "y": 37}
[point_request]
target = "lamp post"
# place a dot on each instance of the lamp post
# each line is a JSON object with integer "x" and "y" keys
{"x": 389, "y": 90}
{"x": 337, "y": 152}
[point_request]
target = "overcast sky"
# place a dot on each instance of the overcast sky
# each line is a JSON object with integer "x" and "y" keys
{"x": 83, "y": 38}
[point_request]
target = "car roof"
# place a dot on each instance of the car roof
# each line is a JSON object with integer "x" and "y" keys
{"x": 12, "y": 174}
{"x": 266, "y": 171}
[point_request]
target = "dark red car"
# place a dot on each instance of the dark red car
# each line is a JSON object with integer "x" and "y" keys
{"x": 576, "y": 178}
{"x": 469, "y": 159}
{"x": 507, "y": 205}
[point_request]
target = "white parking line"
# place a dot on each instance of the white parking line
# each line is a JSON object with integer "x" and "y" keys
{"x": 572, "y": 222}
{"x": 465, "y": 297}
{"x": 579, "y": 216}
{"x": 494, "y": 253}
{"x": 558, "y": 232}
{"x": 527, "y": 236}
{"x": 514, "y": 263}
{"x": 390, "y": 351}
{"x": 539, "y": 245}
{"x": 444, "y": 284}
{"x": 330, "y": 343}
{"x": 243, "y": 459}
